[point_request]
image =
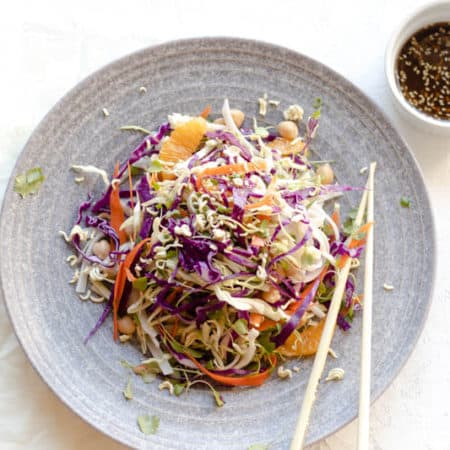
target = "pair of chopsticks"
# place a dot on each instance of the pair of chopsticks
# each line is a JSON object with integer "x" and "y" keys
{"x": 367, "y": 202}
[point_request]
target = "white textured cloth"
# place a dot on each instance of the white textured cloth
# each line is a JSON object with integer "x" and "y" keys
{"x": 48, "y": 46}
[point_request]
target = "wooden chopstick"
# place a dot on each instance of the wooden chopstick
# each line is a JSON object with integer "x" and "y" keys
{"x": 366, "y": 339}
{"x": 325, "y": 341}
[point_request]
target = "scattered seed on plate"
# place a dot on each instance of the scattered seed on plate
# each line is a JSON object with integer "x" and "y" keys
{"x": 142, "y": 89}
{"x": 388, "y": 287}
{"x": 363, "y": 170}
{"x": 105, "y": 112}
{"x": 332, "y": 353}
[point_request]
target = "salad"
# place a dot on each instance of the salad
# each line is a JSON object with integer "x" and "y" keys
{"x": 215, "y": 248}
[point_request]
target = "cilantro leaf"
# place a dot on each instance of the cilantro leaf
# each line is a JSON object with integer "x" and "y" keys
{"x": 128, "y": 392}
{"x": 155, "y": 166}
{"x": 29, "y": 182}
{"x": 178, "y": 389}
{"x": 265, "y": 342}
{"x": 317, "y": 103}
{"x": 240, "y": 326}
{"x": 148, "y": 424}
{"x": 140, "y": 283}
{"x": 405, "y": 202}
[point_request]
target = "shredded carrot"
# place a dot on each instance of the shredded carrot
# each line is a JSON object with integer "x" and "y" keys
{"x": 354, "y": 243}
{"x": 121, "y": 279}
{"x": 174, "y": 330}
{"x": 130, "y": 182}
{"x": 229, "y": 169}
{"x": 256, "y": 319}
{"x": 336, "y": 217}
{"x": 267, "y": 323}
{"x": 130, "y": 277}
{"x": 119, "y": 286}
{"x": 247, "y": 380}
{"x": 206, "y": 111}
{"x": 117, "y": 213}
{"x": 265, "y": 201}
{"x": 171, "y": 297}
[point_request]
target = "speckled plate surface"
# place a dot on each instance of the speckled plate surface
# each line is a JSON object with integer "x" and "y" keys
{"x": 184, "y": 76}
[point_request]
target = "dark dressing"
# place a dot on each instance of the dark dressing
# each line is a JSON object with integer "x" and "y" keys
{"x": 423, "y": 70}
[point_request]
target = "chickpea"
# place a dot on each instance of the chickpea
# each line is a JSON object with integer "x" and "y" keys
{"x": 238, "y": 117}
{"x": 101, "y": 249}
{"x": 326, "y": 173}
{"x": 287, "y": 130}
{"x": 126, "y": 325}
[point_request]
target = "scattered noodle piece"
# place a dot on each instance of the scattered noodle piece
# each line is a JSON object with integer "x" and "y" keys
{"x": 284, "y": 373}
{"x": 262, "y": 105}
{"x": 335, "y": 374}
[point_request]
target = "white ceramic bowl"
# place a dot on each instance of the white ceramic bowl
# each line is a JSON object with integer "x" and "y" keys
{"x": 426, "y": 15}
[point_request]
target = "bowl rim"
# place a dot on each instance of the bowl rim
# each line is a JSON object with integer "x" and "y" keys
{"x": 391, "y": 56}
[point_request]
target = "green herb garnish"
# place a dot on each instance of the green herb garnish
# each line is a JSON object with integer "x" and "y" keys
{"x": 29, "y": 182}
{"x": 258, "y": 447}
{"x": 317, "y": 103}
{"x": 140, "y": 283}
{"x": 405, "y": 202}
{"x": 155, "y": 166}
{"x": 240, "y": 326}
{"x": 128, "y": 392}
{"x": 148, "y": 424}
{"x": 178, "y": 389}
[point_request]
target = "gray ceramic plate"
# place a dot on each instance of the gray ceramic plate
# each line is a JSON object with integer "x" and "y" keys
{"x": 184, "y": 76}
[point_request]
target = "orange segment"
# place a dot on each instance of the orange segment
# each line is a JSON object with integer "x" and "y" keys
{"x": 286, "y": 147}
{"x": 304, "y": 343}
{"x": 183, "y": 140}
{"x": 173, "y": 152}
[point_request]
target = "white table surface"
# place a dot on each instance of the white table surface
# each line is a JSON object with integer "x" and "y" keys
{"x": 48, "y": 46}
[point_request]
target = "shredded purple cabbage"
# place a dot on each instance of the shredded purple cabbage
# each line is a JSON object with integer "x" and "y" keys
{"x": 91, "y": 258}
{"x": 83, "y": 207}
{"x": 295, "y": 319}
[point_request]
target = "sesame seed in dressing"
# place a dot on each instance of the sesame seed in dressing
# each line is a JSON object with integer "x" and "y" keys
{"x": 423, "y": 70}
